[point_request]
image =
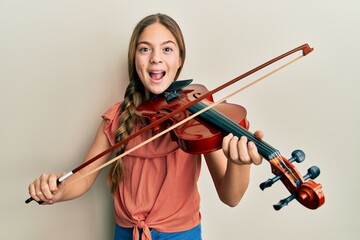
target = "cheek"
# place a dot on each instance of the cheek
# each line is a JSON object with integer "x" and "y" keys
{"x": 139, "y": 66}
{"x": 139, "y": 60}
{"x": 176, "y": 63}
{"x": 137, "y": 63}
{"x": 140, "y": 73}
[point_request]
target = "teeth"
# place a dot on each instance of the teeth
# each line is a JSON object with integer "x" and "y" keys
{"x": 156, "y": 74}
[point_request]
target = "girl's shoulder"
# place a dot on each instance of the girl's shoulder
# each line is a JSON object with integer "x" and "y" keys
{"x": 112, "y": 112}
{"x": 111, "y": 117}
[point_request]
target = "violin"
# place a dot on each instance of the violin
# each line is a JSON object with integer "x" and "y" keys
{"x": 181, "y": 107}
{"x": 204, "y": 134}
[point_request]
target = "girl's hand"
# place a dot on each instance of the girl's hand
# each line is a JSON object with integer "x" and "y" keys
{"x": 45, "y": 188}
{"x": 240, "y": 151}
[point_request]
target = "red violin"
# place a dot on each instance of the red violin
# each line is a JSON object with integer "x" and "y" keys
{"x": 204, "y": 134}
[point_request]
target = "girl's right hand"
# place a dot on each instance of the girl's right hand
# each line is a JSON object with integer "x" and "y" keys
{"x": 45, "y": 188}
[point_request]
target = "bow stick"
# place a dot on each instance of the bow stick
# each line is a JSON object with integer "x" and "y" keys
{"x": 305, "y": 48}
{"x": 212, "y": 105}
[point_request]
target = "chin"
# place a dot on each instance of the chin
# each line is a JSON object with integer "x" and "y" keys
{"x": 158, "y": 91}
{"x": 159, "y": 88}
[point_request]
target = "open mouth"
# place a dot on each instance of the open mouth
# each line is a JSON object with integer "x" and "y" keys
{"x": 157, "y": 75}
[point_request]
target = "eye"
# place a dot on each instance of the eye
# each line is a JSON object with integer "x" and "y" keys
{"x": 144, "y": 49}
{"x": 168, "y": 49}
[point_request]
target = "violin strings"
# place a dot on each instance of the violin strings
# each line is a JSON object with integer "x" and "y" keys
{"x": 273, "y": 153}
{"x": 223, "y": 122}
{"x": 230, "y": 126}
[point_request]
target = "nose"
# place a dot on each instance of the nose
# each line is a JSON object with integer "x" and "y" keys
{"x": 156, "y": 57}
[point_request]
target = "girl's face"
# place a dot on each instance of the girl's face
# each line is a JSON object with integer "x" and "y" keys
{"x": 157, "y": 58}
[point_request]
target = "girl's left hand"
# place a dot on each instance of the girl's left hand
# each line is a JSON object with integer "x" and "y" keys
{"x": 240, "y": 151}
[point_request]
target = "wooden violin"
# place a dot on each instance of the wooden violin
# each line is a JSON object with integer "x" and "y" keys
{"x": 204, "y": 134}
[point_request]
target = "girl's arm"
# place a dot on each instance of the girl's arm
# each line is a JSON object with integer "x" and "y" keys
{"x": 229, "y": 167}
{"x": 45, "y": 188}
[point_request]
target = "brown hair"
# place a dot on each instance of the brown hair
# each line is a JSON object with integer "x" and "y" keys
{"x": 135, "y": 92}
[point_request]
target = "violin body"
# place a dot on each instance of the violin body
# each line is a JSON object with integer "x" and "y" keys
{"x": 196, "y": 136}
{"x": 205, "y": 132}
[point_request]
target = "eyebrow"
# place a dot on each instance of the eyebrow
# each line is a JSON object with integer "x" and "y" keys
{"x": 163, "y": 43}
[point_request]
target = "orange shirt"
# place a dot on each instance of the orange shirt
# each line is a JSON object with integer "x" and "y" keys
{"x": 160, "y": 186}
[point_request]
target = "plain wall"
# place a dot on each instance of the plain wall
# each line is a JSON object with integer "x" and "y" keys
{"x": 63, "y": 63}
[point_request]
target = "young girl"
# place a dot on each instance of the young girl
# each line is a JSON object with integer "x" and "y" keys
{"x": 155, "y": 187}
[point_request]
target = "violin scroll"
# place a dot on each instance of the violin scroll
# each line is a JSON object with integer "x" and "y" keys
{"x": 310, "y": 195}
{"x": 305, "y": 191}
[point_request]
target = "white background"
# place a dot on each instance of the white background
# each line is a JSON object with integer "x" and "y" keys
{"x": 63, "y": 63}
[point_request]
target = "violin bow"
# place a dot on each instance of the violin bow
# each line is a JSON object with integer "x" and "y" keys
{"x": 305, "y": 49}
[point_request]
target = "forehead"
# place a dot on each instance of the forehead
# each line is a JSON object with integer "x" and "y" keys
{"x": 156, "y": 33}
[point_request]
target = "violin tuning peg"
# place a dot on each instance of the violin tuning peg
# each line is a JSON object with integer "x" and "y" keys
{"x": 313, "y": 173}
{"x": 283, "y": 202}
{"x": 269, "y": 182}
{"x": 297, "y": 156}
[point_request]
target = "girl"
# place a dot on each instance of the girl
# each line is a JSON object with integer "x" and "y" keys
{"x": 155, "y": 187}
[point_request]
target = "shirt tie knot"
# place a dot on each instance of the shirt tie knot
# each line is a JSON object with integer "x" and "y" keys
{"x": 146, "y": 235}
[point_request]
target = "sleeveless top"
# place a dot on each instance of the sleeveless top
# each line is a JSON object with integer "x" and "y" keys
{"x": 160, "y": 189}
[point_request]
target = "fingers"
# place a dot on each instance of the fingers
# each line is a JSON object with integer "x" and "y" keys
{"x": 259, "y": 134}
{"x": 254, "y": 154}
{"x": 52, "y": 184}
{"x": 32, "y": 192}
{"x": 240, "y": 151}
{"x": 226, "y": 145}
{"x": 43, "y": 188}
{"x": 242, "y": 147}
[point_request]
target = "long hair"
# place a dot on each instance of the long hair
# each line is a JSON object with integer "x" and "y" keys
{"x": 135, "y": 91}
